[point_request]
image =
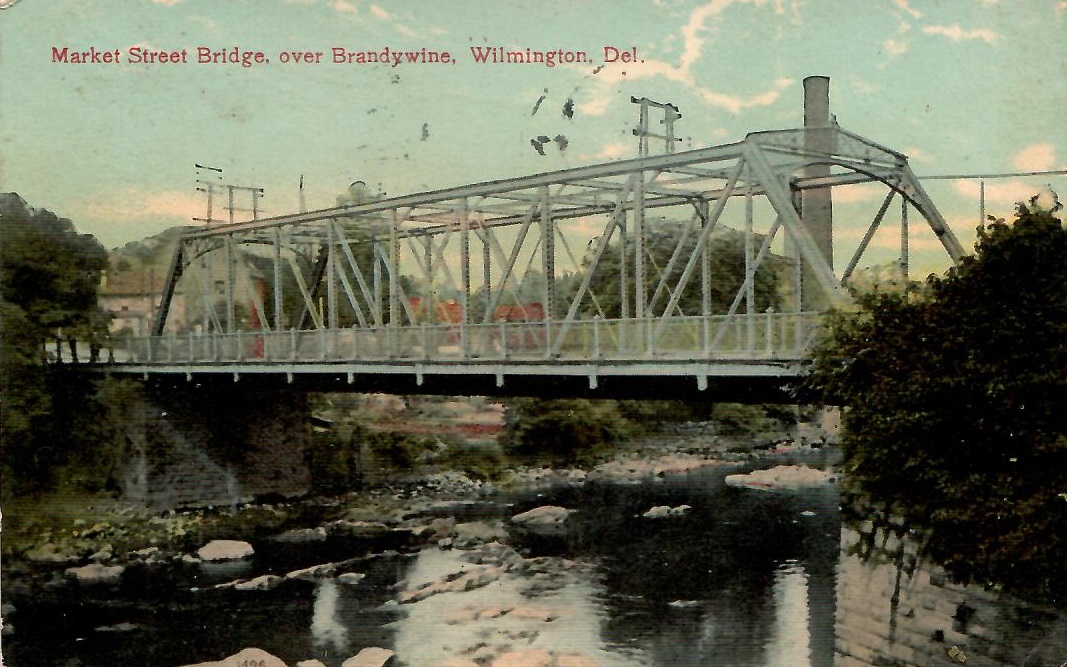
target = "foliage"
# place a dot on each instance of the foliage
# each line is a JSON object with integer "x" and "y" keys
{"x": 336, "y": 461}
{"x": 563, "y": 430}
{"x": 653, "y": 415}
{"x": 478, "y": 459}
{"x": 727, "y": 265}
{"x": 955, "y": 396}
{"x": 48, "y": 279}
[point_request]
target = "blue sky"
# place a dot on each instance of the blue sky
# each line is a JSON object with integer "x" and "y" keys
{"x": 961, "y": 86}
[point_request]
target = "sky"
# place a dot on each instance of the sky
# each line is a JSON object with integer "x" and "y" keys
{"x": 960, "y": 86}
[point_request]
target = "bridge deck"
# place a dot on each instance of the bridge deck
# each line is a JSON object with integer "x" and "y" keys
{"x": 689, "y": 355}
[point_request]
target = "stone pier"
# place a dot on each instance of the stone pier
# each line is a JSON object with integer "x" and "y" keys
{"x": 199, "y": 446}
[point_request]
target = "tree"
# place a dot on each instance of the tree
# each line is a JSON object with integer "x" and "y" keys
{"x": 956, "y": 394}
{"x": 562, "y": 431}
{"x": 48, "y": 279}
{"x": 727, "y": 268}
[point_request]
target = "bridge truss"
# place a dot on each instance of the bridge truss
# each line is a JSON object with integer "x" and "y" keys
{"x": 560, "y": 274}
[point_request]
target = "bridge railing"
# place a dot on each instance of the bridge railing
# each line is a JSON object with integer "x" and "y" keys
{"x": 761, "y": 336}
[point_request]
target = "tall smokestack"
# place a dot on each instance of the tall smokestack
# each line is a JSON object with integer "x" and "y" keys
{"x": 816, "y": 206}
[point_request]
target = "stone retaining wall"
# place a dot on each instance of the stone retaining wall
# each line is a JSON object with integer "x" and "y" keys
{"x": 894, "y": 610}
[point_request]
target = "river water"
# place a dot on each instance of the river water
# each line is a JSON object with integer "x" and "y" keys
{"x": 744, "y": 578}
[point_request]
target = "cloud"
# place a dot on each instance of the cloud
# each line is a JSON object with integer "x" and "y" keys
{"x": 859, "y": 193}
{"x": 916, "y": 154}
{"x": 894, "y": 47}
{"x": 343, "y": 7}
{"x": 614, "y": 151}
{"x": 135, "y": 206}
{"x": 1061, "y": 6}
{"x": 693, "y": 41}
{"x": 379, "y": 12}
{"x": 958, "y": 34}
{"x": 1002, "y": 192}
{"x": 1038, "y": 157}
{"x": 903, "y": 4}
{"x": 166, "y": 3}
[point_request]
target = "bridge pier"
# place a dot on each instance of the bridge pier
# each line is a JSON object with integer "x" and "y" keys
{"x": 198, "y": 445}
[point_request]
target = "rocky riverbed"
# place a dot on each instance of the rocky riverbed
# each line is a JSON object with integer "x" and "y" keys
{"x": 432, "y": 569}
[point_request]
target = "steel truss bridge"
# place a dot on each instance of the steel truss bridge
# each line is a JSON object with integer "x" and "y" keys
{"x": 544, "y": 284}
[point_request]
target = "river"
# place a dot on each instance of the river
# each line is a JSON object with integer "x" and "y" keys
{"x": 744, "y": 577}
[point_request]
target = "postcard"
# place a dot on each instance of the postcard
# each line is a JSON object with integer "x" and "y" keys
{"x": 346, "y": 333}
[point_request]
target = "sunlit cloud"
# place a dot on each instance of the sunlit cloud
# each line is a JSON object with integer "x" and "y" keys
{"x": 911, "y": 11}
{"x": 1038, "y": 157}
{"x": 693, "y": 40}
{"x": 1004, "y": 192}
{"x": 379, "y": 12}
{"x": 166, "y": 3}
{"x": 895, "y": 47}
{"x": 858, "y": 193}
{"x": 613, "y": 151}
{"x": 343, "y": 7}
{"x": 916, "y": 154}
{"x": 132, "y": 206}
{"x": 958, "y": 34}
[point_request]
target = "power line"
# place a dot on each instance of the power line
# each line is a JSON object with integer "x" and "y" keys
{"x": 946, "y": 177}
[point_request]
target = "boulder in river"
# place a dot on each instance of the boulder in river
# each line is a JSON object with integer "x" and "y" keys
{"x": 263, "y": 583}
{"x": 781, "y": 478}
{"x": 363, "y": 529}
{"x": 351, "y": 578}
{"x": 372, "y": 656}
{"x": 249, "y": 656}
{"x": 544, "y": 520}
{"x": 225, "y": 550}
{"x": 471, "y": 534}
{"x": 313, "y": 572}
{"x": 96, "y": 573}
{"x": 664, "y": 511}
{"x": 302, "y": 536}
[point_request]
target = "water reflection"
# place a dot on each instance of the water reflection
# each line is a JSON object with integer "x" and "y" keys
{"x": 790, "y": 642}
{"x": 327, "y": 629}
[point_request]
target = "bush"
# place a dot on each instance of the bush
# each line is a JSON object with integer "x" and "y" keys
{"x": 563, "y": 431}
{"x": 955, "y": 396}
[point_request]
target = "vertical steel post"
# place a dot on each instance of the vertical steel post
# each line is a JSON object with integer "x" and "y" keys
{"x": 624, "y": 287}
{"x": 639, "y": 247}
{"x": 279, "y": 317}
{"x": 487, "y": 267}
{"x": 750, "y": 285}
{"x": 465, "y": 276}
{"x": 394, "y": 270}
{"x": 207, "y": 292}
{"x": 904, "y": 268}
{"x": 231, "y": 280}
{"x": 548, "y": 265}
{"x": 376, "y": 258}
{"x": 704, "y": 208}
{"x": 981, "y": 202}
{"x": 798, "y": 279}
{"x": 331, "y": 276}
{"x": 770, "y": 331}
